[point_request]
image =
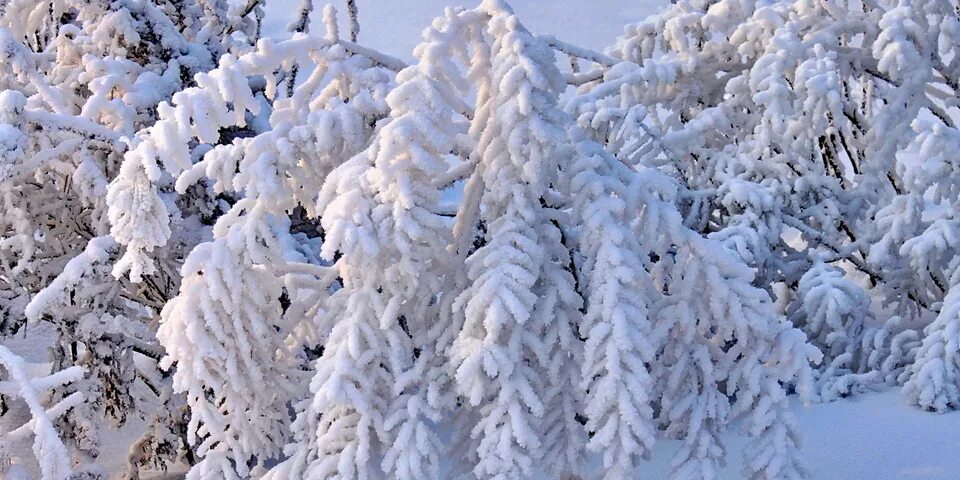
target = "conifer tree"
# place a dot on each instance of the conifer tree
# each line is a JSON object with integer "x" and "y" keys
{"x": 513, "y": 258}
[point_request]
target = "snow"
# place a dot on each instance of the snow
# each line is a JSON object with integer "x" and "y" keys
{"x": 869, "y": 436}
{"x": 879, "y": 436}
{"x": 873, "y": 435}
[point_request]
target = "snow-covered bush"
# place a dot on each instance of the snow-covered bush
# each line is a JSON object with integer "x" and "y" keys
{"x": 303, "y": 258}
{"x": 25, "y": 384}
{"x": 811, "y": 138}
{"x": 399, "y": 317}
{"x": 78, "y": 77}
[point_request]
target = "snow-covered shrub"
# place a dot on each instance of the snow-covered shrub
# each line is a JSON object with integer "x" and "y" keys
{"x": 807, "y": 137}
{"x": 407, "y": 303}
{"x": 76, "y": 78}
{"x": 25, "y": 384}
{"x": 303, "y": 258}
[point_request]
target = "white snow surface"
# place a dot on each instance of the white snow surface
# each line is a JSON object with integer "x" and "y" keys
{"x": 873, "y": 436}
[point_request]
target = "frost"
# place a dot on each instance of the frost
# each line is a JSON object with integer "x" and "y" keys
{"x": 303, "y": 258}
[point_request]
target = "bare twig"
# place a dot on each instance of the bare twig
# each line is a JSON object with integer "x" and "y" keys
{"x": 354, "y": 20}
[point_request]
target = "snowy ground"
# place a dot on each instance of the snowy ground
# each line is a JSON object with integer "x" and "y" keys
{"x": 872, "y": 436}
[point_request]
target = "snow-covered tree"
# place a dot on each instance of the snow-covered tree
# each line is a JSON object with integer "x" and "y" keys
{"x": 499, "y": 262}
{"x": 316, "y": 110}
{"x": 933, "y": 381}
{"x": 515, "y": 351}
{"x": 24, "y": 382}
{"x": 794, "y": 128}
{"x": 832, "y": 311}
{"x": 386, "y": 235}
{"x": 617, "y": 291}
{"x": 78, "y": 77}
{"x": 723, "y": 342}
{"x": 508, "y": 288}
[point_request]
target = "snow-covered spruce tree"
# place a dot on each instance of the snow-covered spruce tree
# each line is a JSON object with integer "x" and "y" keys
{"x": 714, "y": 346}
{"x": 515, "y": 351}
{"x": 618, "y": 291}
{"x": 238, "y": 352}
{"x": 726, "y": 356}
{"x": 77, "y": 76}
{"x": 934, "y": 379}
{"x": 566, "y": 284}
{"x": 833, "y": 311}
{"x": 375, "y": 396}
{"x": 792, "y": 127}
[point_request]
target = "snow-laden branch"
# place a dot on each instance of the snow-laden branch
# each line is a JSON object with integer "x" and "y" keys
{"x": 579, "y": 52}
{"x": 378, "y": 58}
{"x": 78, "y": 125}
{"x": 51, "y": 453}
